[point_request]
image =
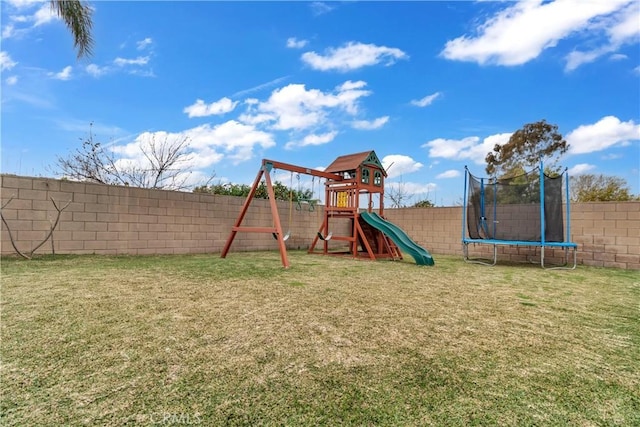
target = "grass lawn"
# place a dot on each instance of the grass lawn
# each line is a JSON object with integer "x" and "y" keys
{"x": 195, "y": 339}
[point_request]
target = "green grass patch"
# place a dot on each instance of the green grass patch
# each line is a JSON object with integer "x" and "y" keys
{"x": 97, "y": 340}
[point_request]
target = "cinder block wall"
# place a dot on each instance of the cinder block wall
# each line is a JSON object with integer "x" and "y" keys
{"x": 608, "y": 234}
{"x": 105, "y": 219}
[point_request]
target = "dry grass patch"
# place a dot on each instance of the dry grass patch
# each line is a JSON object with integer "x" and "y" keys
{"x": 241, "y": 341}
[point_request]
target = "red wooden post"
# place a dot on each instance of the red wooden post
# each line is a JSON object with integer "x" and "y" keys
{"x": 276, "y": 222}
{"x": 243, "y": 211}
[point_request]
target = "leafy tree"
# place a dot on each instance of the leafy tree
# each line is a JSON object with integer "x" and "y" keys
{"x": 600, "y": 188}
{"x": 164, "y": 164}
{"x": 76, "y": 14}
{"x": 520, "y": 187}
{"x": 281, "y": 191}
{"x": 526, "y": 147}
{"x": 426, "y": 203}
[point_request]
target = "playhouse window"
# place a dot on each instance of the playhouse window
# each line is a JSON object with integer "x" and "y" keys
{"x": 377, "y": 178}
{"x": 365, "y": 175}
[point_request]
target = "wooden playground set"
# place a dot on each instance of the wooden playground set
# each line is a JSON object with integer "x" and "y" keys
{"x": 347, "y": 178}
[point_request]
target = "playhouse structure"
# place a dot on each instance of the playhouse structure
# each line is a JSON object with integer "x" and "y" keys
{"x": 349, "y": 179}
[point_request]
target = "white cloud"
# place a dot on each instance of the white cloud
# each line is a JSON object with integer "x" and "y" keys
{"x": 200, "y": 109}
{"x": 44, "y": 15}
{"x": 370, "y": 124}
{"x": 320, "y": 8}
{"x": 294, "y": 43}
{"x": 6, "y": 63}
{"x": 28, "y": 21}
{"x": 452, "y": 173}
{"x": 450, "y": 148}
{"x": 309, "y": 117}
{"x": 23, "y": 4}
{"x": 24, "y": 16}
{"x": 256, "y": 119}
{"x": 11, "y": 80}
{"x": 351, "y": 85}
{"x": 625, "y": 25}
{"x": 427, "y": 100}
{"x": 65, "y": 74}
{"x": 236, "y": 139}
{"x": 637, "y": 70}
{"x": 141, "y": 60}
{"x": 134, "y": 66}
{"x": 467, "y": 148}
{"x": 143, "y": 44}
{"x": 618, "y": 57}
{"x": 411, "y": 190}
{"x": 607, "y": 132}
{"x": 142, "y": 73}
{"x": 21, "y": 18}
{"x": 319, "y": 139}
{"x": 580, "y": 169}
{"x": 313, "y": 139}
{"x": 352, "y": 56}
{"x": 293, "y": 107}
{"x": 399, "y": 164}
{"x": 577, "y": 58}
{"x": 520, "y": 32}
{"x": 620, "y": 28}
{"x": 8, "y": 31}
{"x": 230, "y": 141}
{"x": 96, "y": 70}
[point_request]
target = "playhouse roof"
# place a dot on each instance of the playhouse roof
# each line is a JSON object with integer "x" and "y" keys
{"x": 354, "y": 161}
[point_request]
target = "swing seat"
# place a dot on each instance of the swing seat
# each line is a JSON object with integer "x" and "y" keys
{"x": 285, "y": 237}
{"x": 310, "y": 202}
{"x": 321, "y": 237}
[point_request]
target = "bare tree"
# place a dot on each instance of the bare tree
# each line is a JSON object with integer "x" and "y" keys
{"x": 162, "y": 164}
{"x": 166, "y": 165}
{"x": 54, "y": 224}
{"x": 398, "y": 194}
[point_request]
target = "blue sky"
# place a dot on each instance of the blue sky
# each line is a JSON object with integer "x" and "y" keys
{"x": 430, "y": 86}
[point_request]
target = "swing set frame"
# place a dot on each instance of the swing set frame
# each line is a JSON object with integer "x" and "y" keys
{"x": 276, "y": 229}
{"x": 347, "y": 178}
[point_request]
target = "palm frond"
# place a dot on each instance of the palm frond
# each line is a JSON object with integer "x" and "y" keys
{"x": 76, "y": 14}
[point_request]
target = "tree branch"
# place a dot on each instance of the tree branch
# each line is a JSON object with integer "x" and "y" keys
{"x": 13, "y": 242}
{"x": 49, "y": 234}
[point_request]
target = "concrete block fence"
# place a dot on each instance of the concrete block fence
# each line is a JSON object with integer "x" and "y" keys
{"x": 104, "y": 219}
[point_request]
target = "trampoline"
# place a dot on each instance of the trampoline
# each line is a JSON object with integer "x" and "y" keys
{"x": 521, "y": 211}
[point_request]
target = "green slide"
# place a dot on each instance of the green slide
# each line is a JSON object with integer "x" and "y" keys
{"x": 399, "y": 237}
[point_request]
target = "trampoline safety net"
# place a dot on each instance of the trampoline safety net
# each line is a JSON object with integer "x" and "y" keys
{"x": 510, "y": 209}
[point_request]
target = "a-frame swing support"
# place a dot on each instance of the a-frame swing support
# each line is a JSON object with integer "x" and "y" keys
{"x": 276, "y": 229}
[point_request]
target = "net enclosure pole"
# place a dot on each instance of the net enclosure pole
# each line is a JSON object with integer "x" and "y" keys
{"x": 542, "y": 207}
{"x": 495, "y": 208}
{"x": 566, "y": 174}
{"x": 465, "y": 198}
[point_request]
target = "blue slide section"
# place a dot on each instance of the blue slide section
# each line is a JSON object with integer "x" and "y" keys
{"x": 399, "y": 237}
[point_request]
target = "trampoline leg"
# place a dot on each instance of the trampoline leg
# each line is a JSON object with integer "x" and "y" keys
{"x": 566, "y": 259}
{"x": 465, "y": 251}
